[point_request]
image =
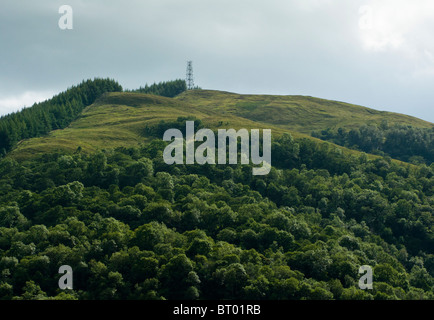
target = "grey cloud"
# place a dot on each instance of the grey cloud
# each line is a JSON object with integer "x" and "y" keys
{"x": 278, "y": 47}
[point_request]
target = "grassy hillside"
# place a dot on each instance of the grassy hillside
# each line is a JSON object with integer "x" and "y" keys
{"x": 118, "y": 119}
{"x": 295, "y": 113}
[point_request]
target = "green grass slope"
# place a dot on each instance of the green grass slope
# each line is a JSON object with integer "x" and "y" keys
{"x": 118, "y": 119}
{"x": 295, "y": 113}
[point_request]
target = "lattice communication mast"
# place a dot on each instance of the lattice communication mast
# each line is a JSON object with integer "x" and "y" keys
{"x": 189, "y": 78}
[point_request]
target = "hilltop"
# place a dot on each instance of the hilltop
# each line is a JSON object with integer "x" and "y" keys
{"x": 119, "y": 119}
{"x": 296, "y": 113}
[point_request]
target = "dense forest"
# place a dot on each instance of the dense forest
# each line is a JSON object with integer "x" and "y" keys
{"x": 55, "y": 113}
{"x": 398, "y": 141}
{"x": 166, "y": 88}
{"x": 132, "y": 227}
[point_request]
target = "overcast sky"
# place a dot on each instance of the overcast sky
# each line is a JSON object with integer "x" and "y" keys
{"x": 375, "y": 53}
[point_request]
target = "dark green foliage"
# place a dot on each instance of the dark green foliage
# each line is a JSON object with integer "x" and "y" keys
{"x": 159, "y": 129}
{"x": 55, "y": 113}
{"x": 166, "y": 89}
{"x": 132, "y": 227}
{"x": 401, "y": 142}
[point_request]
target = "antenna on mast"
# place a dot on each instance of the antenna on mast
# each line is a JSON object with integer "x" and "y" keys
{"x": 189, "y": 77}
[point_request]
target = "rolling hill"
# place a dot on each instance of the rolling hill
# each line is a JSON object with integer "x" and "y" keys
{"x": 131, "y": 226}
{"x": 301, "y": 114}
{"x": 119, "y": 118}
